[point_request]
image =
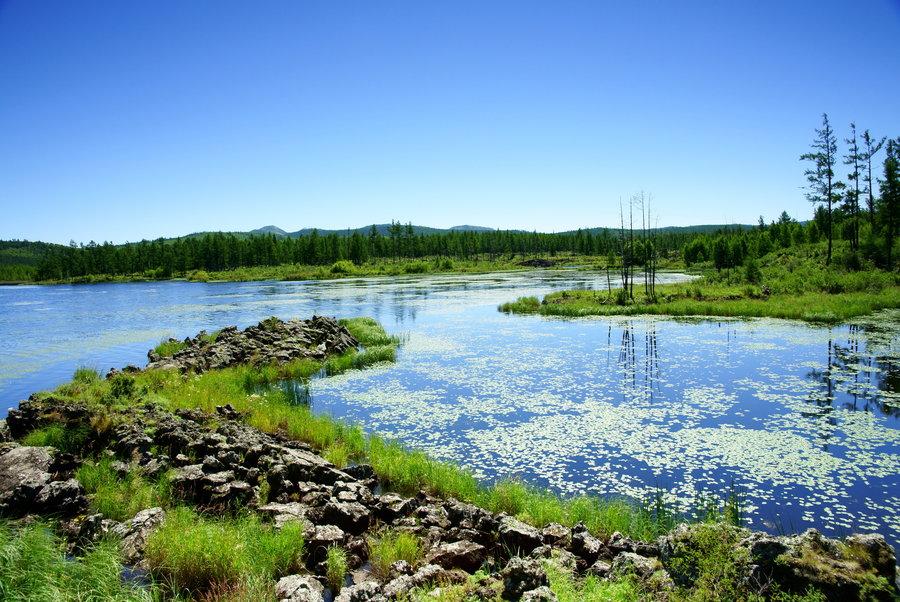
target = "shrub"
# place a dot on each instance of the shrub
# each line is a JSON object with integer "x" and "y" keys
{"x": 417, "y": 267}
{"x": 119, "y": 497}
{"x": 343, "y": 267}
{"x": 198, "y": 276}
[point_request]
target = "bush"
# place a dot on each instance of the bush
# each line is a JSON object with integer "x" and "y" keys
{"x": 418, "y": 267}
{"x": 198, "y": 276}
{"x": 119, "y": 497}
{"x": 66, "y": 439}
{"x": 343, "y": 267}
{"x": 752, "y": 274}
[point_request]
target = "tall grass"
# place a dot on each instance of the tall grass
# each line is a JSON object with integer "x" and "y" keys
{"x": 69, "y": 439}
{"x": 33, "y": 567}
{"x": 193, "y": 553}
{"x": 336, "y": 567}
{"x": 119, "y": 497}
{"x": 393, "y": 545}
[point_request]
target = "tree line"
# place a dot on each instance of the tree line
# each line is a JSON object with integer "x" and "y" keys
{"x": 222, "y": 251}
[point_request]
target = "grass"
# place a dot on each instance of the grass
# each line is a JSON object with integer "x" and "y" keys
{"x": 170, "y": 347}
{"x": 192, "y": 553}
{"x": 68, "y": 439}
{"x": 34, "y": 567}
{"x": 794, "y": 284}
{"x": 590, "y": 589}
{"x": 121, "y": 497}
{"x": 393, "y": 545}
{"x": 336, "y": 567}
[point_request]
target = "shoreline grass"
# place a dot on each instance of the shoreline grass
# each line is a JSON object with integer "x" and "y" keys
{"x": 789, "y": 285}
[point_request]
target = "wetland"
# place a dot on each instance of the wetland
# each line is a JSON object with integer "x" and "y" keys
{"x": 802, "y": 419}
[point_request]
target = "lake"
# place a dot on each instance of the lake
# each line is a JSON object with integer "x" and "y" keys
{"x": 804, "y": 419}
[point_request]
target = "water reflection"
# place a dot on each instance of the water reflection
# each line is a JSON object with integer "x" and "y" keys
{"x": 857, "y": 371}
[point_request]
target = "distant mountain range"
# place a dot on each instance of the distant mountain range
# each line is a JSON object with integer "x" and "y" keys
{"x": 28, "y": 253}
{"x": 383, "y": 229}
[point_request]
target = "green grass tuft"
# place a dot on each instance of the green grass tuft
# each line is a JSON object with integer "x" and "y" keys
{"x": 393, "y": 545}
{"x": 193, "y": 553}
{"x": 121, "y": 497}
{"x": 336, "y": 567}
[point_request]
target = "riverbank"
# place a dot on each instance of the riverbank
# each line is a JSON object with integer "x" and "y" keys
{"x": 229, "y": 441}
{"x": 348, "y": 269}
{"x": 793, "y": 284}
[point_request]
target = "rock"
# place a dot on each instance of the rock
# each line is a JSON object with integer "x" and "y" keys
{"x": 585, "y": 545}
{"x": 432, "y": 515}
{"x": 392, "y": 507}
{"x": 522, "y": 575}
{"x": 400, "y": 568}
{"x": 518, "y": 537}
{"x": 285, "y": 513}
{"x": 464, "y": 555}
{"x": 65, "y": 498}
{"x": 272, "y": 340}
{"x": 136, "y": 532}
{"x": 88, "y": 530}
{"x": 351, "y": 517}
{"x": 400, "y": 586}
{"x": 34, "y": 413}
{"x": 31, "y": 483}
{"x": 629, "y": 563}
{"x": 873, "y": 552}
{"x": 319, "y": 539}
{"x": 601, "y": 568}
{"x": 362, "y": 592}
{"x": 5, "y": 435}
{"x": 540, "y": 594}
{"x": 299, "y": 588}
{"x": 555, "y": 534}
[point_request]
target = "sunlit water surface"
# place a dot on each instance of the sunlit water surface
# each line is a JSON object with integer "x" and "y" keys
{"x": 805, "y": 420}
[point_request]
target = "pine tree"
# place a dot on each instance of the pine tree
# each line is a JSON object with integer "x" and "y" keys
{"x": 890, "y": 197}
{"x": 821, "y": 176}
{"x": 854, "y": 158}
{"x": 872, "y": 147}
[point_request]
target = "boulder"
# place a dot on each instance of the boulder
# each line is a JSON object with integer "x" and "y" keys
{"x": 629, "y": 563}
{"x": 299, "y": 588}
{"x": 400, "y": 585}
{"x": 31, "y": 482}
{"x": 584, "y": 545}
{"x": 369, "y": 591}
{"x": 518, "y": 537}
{"x": 136, "y": 532}
{"x": 352, "y": 517}
{"x": 465, "y": 555}
{"x": 540, "y": 594}
{"x": 522, "y": 575}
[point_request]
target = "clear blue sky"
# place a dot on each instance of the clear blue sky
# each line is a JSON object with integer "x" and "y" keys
{"x": 128, "y": 120}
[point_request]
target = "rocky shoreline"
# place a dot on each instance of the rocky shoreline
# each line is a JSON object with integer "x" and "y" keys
{"x": 218, "y": 464}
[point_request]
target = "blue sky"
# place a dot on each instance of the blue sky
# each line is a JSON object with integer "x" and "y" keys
{"x": 128, "y": 120}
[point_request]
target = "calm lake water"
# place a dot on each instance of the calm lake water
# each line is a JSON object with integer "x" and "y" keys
{"x": 806, "y": 420}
